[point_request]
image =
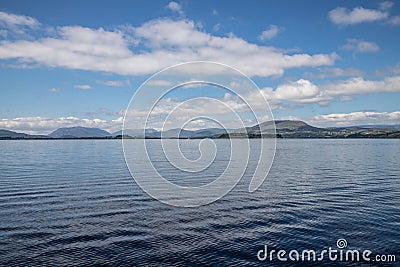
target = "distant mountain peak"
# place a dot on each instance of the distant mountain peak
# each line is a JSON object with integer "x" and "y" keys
{"x": 79, "y": 132}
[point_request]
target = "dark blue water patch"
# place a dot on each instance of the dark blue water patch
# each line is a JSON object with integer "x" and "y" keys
{"x": 74, "y": 203}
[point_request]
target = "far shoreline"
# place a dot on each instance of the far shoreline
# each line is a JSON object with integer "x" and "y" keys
{"x": 249, "y": 138}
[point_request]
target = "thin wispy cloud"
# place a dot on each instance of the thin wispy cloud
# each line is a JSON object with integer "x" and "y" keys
{"x": 175, "y": 7}
{"x": 83, "y": 86}
{"x": 217, "y": 27}
{"x": 12, "y": 20}
{"x": 360, "y": 46}
{"x": 159, "y": 83}
{"x": 386, "y": 5}
{"x": 323, "y": 73}
{"x": 54, "y": 90}
{"x": 114, "y": 83}
{"x": 269, "y": 33}
{"x": 11, "y": 24}
{"x": 395, "y": 20}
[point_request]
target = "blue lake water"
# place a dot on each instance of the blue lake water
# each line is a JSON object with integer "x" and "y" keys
{"x": 74, "y": 202}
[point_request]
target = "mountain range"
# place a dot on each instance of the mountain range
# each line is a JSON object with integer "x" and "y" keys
{"x": 284, "y": 129}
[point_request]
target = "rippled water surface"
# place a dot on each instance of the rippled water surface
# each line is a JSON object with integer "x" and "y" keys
{"x": 73, "y": 202}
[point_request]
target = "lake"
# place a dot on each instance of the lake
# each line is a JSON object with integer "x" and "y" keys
{"x": 74, "y": 202}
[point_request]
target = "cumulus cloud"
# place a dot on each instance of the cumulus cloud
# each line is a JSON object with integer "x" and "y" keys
{"x": 356, "y": 118}
{"x": 41, "y": 125}
{"x": 162, "y": 42}
{"x": 175, "y": 7}
{"x": 269, "y": 33}
{"x": 304, "y": 91}
{"x": 299, "y": 91}
{"x": 359, "y": 85}
{"x": 343, "y": 16}
{"x": 76, "y": 48}
{"x": 360, "y": 46}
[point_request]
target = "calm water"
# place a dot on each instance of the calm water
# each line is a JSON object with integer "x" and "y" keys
{"x": 67, "y": 202}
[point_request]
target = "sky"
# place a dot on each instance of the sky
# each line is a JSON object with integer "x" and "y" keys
{"x": 70, "y": 63}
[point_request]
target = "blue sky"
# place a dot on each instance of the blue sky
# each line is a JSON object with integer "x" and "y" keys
{"x": 70, "y": 63}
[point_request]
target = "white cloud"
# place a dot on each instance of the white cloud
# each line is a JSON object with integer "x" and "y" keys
{"x": 40, "y": 125}
{"x": 83, "y": 86}
{"x": 175, "y": 7}
{"x": 163, "y": 42}
{"x": 193, "y": 44}
{"x": 304, "y": 91}
{"x": 386, "y": 5}
{"x": 269, "y": 33}
{"x": 345, "y": 98}
{"x": 11, "y": 24}
{"x": 360, "y": 46}
{"x": 359, "y": 85}
{"x": 159, "y": 83}
{"x": 217, "y": 27}
{"x": 76, "y": 48}
{"x": 356, "y": 118}
{"x": 214, "y": 12}
{"x": 12, "y": 20}
{"x": 387, "y": 71}
{"x": 54, "y": 90}
{"x": 395, "y": 20}
{"x": 114, "y": 83}
{"x": 299, "y": 91}
{"x": 343, "y": 16}
{"x": 334, "y": 72}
